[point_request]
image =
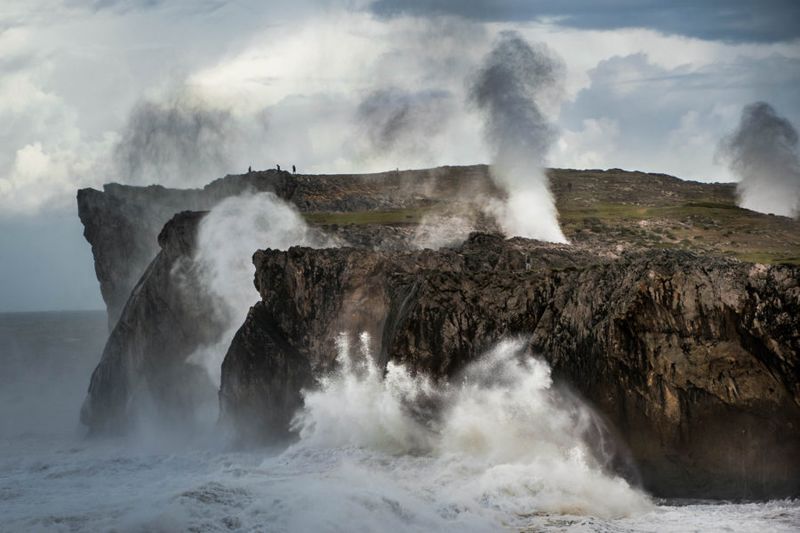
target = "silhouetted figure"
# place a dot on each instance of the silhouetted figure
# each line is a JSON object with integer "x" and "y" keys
{"x": 294, "y": 170}
{"x": 279, "y": 167}
{"x": 249, "y": 170}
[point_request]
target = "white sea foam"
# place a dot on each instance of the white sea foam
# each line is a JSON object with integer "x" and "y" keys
{"x": 501, "y": 441}
{"x": 500, "y": 449}
{"x": 226, "y": 240}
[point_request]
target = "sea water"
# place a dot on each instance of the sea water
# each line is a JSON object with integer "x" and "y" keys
{"x": 504, "y": 448}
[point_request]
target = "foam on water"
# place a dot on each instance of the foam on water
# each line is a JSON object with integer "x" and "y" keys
{"x": 108, "y": 486}
{"x": 501, "y": 447}
{"x": 501, "y": 442}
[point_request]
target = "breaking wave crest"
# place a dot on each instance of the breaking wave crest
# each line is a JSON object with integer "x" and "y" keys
{"x": 500, "y": 439}
{"x": 500, "y": 447}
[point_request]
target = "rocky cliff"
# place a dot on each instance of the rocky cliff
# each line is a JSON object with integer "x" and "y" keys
{"x": 611, "y": 209}
{"x": 690, "y": 354}
{"x": 122, "y": 222}
{"x": 145, "y": 375}
{"x": 693, "y": 359}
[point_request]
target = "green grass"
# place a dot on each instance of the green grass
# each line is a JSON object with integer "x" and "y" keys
{"x": 702, "y": 226}
{"x": 388, "y": 217}
{"x": 767, "y": 257}
{"x": 608, "y": 212}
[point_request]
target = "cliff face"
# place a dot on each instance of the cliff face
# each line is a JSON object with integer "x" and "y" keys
{"x": 144, "y": 375}
{"x": 693, "y": 359}
{"x": 691, "y": 356}
{"x": 122, "y": 222}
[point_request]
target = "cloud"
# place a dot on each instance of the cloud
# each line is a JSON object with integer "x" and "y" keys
{"x": 766, "y": 21}
{"x": 591, "y": 145}
{"x": 663, "y": 119}
{"x": 45, "y": 156}
{"x": 349, "y": 93}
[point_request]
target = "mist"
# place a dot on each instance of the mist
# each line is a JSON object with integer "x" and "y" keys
{"x": 227, "y": 239}
{"x": 185, "y": 140}
{"x": 762, "y": 152}
{"x": 511, "y": 89}
{"x": 55, "y": 361}
{"x": 401, "y": 123}
{"x": 503, "y": 434}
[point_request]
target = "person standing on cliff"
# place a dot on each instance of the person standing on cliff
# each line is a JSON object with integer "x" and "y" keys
{"x": 279, "y": 167}
{"x": 294, "y": 170}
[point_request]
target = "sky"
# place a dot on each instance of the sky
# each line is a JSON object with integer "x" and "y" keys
{"x": 180, "y": 92}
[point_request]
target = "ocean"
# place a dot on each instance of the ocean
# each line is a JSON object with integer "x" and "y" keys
{"x": 504, "y": 458}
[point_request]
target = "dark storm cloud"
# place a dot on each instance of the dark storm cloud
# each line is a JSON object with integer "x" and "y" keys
{"x": 726, "y": 20}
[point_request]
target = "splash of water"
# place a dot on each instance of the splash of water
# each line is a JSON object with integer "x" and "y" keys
{"x": 227, "y": 238}
{"x": 502, "y": 439}
{"x": 512, "y": 89}
{"x": 763, "y": 153}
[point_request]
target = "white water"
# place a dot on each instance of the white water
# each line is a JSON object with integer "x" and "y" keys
{"x": 226, "y": 240}
{"x": 506, "y": 452}
{"x": 498, "y": 446}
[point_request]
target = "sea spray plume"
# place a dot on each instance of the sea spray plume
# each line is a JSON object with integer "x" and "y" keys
{"x": 358, "y": 406}
{"x": 227, "y": 238}
{"x": 512, "y": 86}
{"x": 762, "y": 152}
{"x": 401, "y": 123}
{"x": 182, "y": 140}
{"x": 440, "y": 231}
{"x": 187, "y": 139}
{"x": 506, "y": 438}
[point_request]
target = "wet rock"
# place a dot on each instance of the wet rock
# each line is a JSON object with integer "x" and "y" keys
{"x": 121, "y": 222}
{"x": 693, "y": 359}
{"x": 145, "y": 375}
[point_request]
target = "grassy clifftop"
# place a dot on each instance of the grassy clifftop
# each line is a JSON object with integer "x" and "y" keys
{"x": 617, "y": 210}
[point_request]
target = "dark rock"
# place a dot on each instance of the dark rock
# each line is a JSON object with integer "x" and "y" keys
{"x": 144, "y": 370}
{"x": 122, "y": 222}
{"x": 693, "y": 359}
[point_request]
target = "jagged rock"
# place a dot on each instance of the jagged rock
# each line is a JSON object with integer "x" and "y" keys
{"x": 693, "y": 359}
{"x": 144, "y": 370}
{"x": 122, "y": 224}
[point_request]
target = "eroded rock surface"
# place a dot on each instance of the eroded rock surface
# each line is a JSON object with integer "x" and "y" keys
{"x": 122, "y": 222}
{"x": 145, "y": 371}
{"x": 693, "y": 359}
